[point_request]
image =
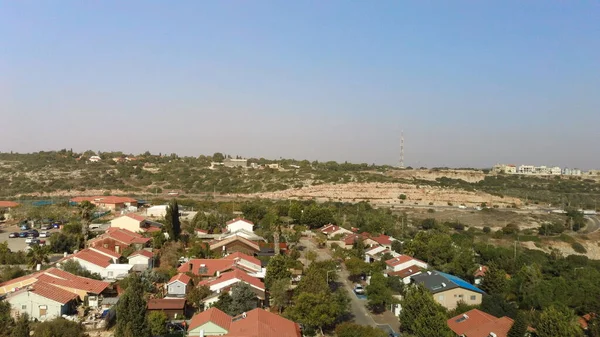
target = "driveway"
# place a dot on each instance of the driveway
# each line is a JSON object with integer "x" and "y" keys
{"x": 357, "y": 306}
{"x": 592, "y": 225}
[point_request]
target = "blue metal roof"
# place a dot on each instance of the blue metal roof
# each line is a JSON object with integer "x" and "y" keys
{"x": 461, "y": 283}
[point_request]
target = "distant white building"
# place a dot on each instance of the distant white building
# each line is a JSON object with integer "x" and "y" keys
{"x": 158, "y": 211}
{"x": 526, "y": 169}
{"x": 572, "y": 172}
{"x": 94, "y": 159}
{"x": 231, "y": 162}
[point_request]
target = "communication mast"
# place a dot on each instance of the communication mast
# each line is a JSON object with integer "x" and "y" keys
{"x": 401, "y": 149}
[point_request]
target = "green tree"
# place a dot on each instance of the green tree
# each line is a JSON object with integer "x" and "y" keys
{"x": 422, "y": 316}
{"x": 277, "y": 269}
{"x": 38, "y": 255}
{"x": 86, "y": 210}
{"x": 172, "y": 222}
{"x": 317, "y": 216}
{"x": 59, "y": 327}
{"x": 157, "y": 323}
{"x": 594, "y": 326}
{"x": 279, "y": 293}
{"x": 555, "y": 321}
{"x": 496, "y": 305}
{"x": 295, "y": 212}
{"x": 243, "y": 299}
{"x": 495, "y": 281}
{"x": 519, "y": 327}
{"x": 397, "y": 246}
{"x": 218, "y": 157}
{"x": 348, "y": 329}
{"x": 6, "y": 320}
{"x": 21, "y": 328}
{"x": 196, "y": 295}
{"x": 131, "y": 310}
{"x": 356, "y": 267}
{"x": 316, "y": 310}
{"x": 224, "y": 303}
{"x": 73, "y": 267}
{"x": 378, "y": 293}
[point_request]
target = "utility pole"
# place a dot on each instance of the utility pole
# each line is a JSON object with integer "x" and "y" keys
{"x": 401, "y": 149}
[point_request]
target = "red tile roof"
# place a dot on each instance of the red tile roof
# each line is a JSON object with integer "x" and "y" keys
{"x": 406, "y": 272}
{"x": 135, "y": 217}
{"x": 400, "y": 259}
{"x": 584, "y": 320}
{"x": 480, "y": 272}
{"x": 8, "y": 204}
{"x": 123, "y": 235}
{"x": 107, "y": 252}
{"x": 476, "y": 323}
{"x": 212, "y": 266}
{"x": 201, "y": 231}
{"x": 235, "y": 274}
{"x": 53, "y": 293}
{"x": 212, "y": 315}
{"x": 239, "y": 219}
{"x": 142, "y": 252}
{"x": 219, "y": 244}
{"x": 62, "y": 278}
{"x": 92, "y": 257}
{"x": 166, "y": 304}
{"x": 183, "y": 278}
{"x": 328, "y": 228}
{"x": 241, "y": 256}
{"x": 382, "y": 239}
{"x": 261, "y": 323}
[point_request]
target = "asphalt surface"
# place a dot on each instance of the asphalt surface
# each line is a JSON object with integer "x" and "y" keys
{"x": 357, "y": 306}
{"x": 593, "y": 224}
{"x": 16, "y": 244}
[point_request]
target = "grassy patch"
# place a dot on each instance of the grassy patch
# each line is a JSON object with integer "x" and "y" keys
{"x": 578, "y": 247}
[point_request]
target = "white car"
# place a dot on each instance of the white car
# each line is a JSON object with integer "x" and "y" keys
{"x": 45, "y": 234}
{"x": 359, "y": 290}
{"x": 28, "y": 240}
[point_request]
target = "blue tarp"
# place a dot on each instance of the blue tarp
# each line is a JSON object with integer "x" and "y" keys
{"x": 461, "y": 283}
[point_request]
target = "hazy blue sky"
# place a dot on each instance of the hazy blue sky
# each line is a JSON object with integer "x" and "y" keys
{"x": 471, "y": 83}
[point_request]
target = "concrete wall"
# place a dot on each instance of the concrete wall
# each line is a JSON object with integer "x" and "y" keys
{"x": 450, "y": 298}
{"x": 30, "y": 303}
{"x": 126, "y": 222}
{"x": 176, "y": 288}
{"x": 210, "y": 329}
{"x": 236, "y": 226}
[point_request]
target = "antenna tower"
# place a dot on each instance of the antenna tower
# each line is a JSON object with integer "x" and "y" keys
{"x": 401, "y": 149}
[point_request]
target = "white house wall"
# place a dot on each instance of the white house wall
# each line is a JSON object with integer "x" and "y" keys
{"x": 140, "y": 260}
{"x": 126, "y": 222}
{"x": 32, "y": 303}
{"x": 176, "y": 288}
{"x": 238, "y": 225}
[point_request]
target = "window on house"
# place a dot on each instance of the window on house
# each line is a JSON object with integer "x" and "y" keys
{"x": 118, "y": 249}
{"x": 23, "y": 307}
{"x": 43, "y": 310}
{"x": 110, "y": 274}
{"x": 106, "y": 245}
{"x": 473, "y": 298}
{"x": 460, "y": 296}
{"x": 441, "y": 298}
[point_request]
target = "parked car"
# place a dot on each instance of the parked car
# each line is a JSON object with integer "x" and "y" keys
{"x": 29, "y": 240}
{"x": 33, "y": 234}
{"x": 45, "y": 234}
{"x": 13, "y": 235}
{"x": 23, "y": 234}
{"x": 359, "y": 290}
{"x": 56, "y": 225}
{"x": 33, "y": 242}
{"x": 25, "y": 227}
{"x": 46, "y": 227}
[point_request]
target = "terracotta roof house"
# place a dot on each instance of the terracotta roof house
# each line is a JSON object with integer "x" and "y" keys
{"x": 351, "y": 238}
{"x": 479, "y": 274}
{"x": 476, "y": 323}
{"x": 178, "y": 285}
{"x": 135, "y": 223}
{"x": 118, "y": 239}
{"x": 234, "y": 244}
{"x": 406, "y": 273}
{"x": 404, "y": 262}
{"x": 332, "y": 230}
{"x": 96, "y": 262}
{"x": 212, "y": 322}
{"x": 81, "y": 286}
{"x": 383, "y": 240}
{"x": 206, "y": 267}
{"x": 585, "y": 319}
{"x": 112, "y": 203}
{"x": 141, "y": 260}
{"x": 43, "y": 301}
{"x": 246, "y": 262}
{"x": 227, "y": 280}
{"x": 255, "y": 323}
{"x": 448, "y": 289}
{"x": 175, "y": 308}
{"x": 377, "y": 252}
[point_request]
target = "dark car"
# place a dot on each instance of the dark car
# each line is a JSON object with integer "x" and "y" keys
{"x": 23, "y": 234}
{"x": 46, "y": 227}
{"x": 13, "y": 235}
{"x": 33, "y": 234}
{"x": 34, "y": 242}
{"x": 56, "y": 225}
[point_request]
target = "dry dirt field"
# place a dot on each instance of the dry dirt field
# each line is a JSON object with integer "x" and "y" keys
{"x": 387, "y": 194}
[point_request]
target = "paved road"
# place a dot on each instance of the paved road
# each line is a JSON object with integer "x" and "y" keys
{"x": 357, "y": 306}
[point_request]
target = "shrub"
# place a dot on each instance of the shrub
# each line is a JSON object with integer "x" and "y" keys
{"x": 487, "y": 230}
{"x": 402, "y": 197}
{"x": 431, "y": 210}
{"x": 578, "y": 247}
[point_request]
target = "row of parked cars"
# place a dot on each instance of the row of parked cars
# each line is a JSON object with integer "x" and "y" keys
{"x": 31, "y": 236}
